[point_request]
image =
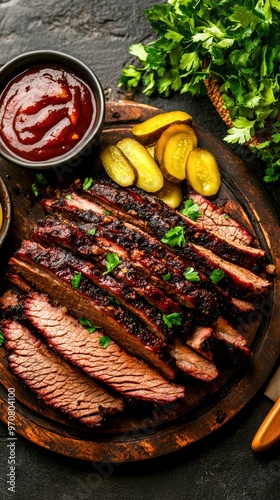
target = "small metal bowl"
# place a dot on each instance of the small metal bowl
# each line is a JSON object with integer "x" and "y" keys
{"x": 32, "y": 59}
{"x": 7, "y": 210}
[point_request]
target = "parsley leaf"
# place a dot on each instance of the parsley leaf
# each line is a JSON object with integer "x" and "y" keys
{"x": 35, "y": 190}
{"x": 76, "y": 280}
{"x": 172, "y": 319}
{"x": 68, "y": 197}
{"x": 191, "y": 275}
{"x": 175, "y": 237}
{"x": 39, "y": 179}
{"x": 236, "y": 42}
{"x": 113, "y": 261}
{"x": 92, "y": 231}
{"x": 166, "y": 277}
{"x": 114, "y": 301}
{"x": 87, "y": 183}
{"x": 104, "y": 341}
{"x": 90, "y": 327}
{"x": 1, "y": 339}
{"x": 217, "y": 275}
{"x": 191, "y": 210}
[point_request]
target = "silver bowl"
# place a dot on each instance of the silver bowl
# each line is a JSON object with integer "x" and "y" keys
{"x": 29, "y": 60}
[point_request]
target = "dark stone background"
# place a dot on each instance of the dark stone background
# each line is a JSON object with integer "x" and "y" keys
{"x": 222, "y": 466}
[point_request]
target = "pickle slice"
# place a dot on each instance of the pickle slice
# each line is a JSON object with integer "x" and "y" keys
{"x": 171, "y": 194}
{"x": 150, "y": 130}
{"x": 175, "y": 154}
{"x": 176, "y": 128}
{"x": 118, "y": 166}
{"x": 202, "y": 172}
{"x": 149, "y": 176}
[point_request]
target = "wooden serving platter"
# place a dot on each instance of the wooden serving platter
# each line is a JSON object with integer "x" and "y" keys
{"x": 149, "y": 431}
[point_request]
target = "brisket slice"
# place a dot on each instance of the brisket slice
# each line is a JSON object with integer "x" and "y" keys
{"x": 123, "y": 294}
{"x": 126, "y": 374}
{"x": 18, "y": 281}
{"x": 192, "y": 364}
{"x": 148, "y": 314}
{"x": 147, "y": 252}
{"x": 147, "y": 255}
{"x": 59, "y": 384}
{"x": 70, "y": 236}
{"x": 231, "y": 342}
{"x": 216, "y": 220}
{"x": 8, "y": 301}
{"x": 202, "y": 340}
{"x": 83, "y": 303}
{"x": 134, "y": 204}
{"x": 240, "y": 282}
{"x": 44, "y": 270}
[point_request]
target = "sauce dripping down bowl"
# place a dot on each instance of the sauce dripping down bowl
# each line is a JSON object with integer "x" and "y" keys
{"x": 52, "y": 110}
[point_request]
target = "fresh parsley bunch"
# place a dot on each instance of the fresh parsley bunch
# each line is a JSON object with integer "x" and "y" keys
{"x": 234, "y": 41}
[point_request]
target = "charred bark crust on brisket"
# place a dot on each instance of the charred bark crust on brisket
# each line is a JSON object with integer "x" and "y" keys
{"x": 45, "y": 271}
{"x": 146, "y": 254}
{"x": 217, "y": 220}
{"x": 77, "y": 238}
{"x": 240, "y": 282}
{"x": 159, "y": 218}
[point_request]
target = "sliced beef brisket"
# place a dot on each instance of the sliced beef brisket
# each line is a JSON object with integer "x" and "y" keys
{"x": 42, "y": 268}
{"x": 59, "y": 384}
{"x": 147, "y": 255}
{"x": 74, "y": 236}
{"x": 147, "y": 252}
{"x": 68, "y": 235}
{"x": 46, "y": 272}
{"x": 192, "y": 364}
{"x": 202, "y": 340}
{"x": 112, "y": 365}
{"x": 216, "y": 220}
{"x": 231, "y": 342}
{"x": 136, "y": 205}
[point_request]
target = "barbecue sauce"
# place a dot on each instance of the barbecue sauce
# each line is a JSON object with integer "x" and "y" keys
{"x": 45, "y": 112}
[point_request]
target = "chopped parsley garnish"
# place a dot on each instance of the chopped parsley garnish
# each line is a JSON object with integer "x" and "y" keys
{"x": 191, "y": 210}
{"x": 113, "y": 261}
{"x": 234, "y": 41}
{"x": 92, "y": 231}
{"x": 104, "y": 341}
{"x": 226, "y": 216}
{"x": 106, "y": 212}
{"x": 76, "y": 280}
{"x": 35, "y": 190}
{"x": 217, "y": 275}
{"x": 192, "y": 275}
{"x": 114, "y": 301}
{"x": 39, "y": 179}
{"x": 175, "y": 237}
{"x": 1, "y": 339}
{"x": 90, "y": 327}
{"x": 172, "y": 319}
{"x": 87, "y": 183}
{"x": 68, "y": 197}
{"x": 166, "y": 277}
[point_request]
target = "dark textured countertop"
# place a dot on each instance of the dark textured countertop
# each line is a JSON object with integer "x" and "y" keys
{"x": 222, "y": 466}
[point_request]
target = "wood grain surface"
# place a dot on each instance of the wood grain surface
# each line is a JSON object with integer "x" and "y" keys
{"x": 149, "y": 431}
